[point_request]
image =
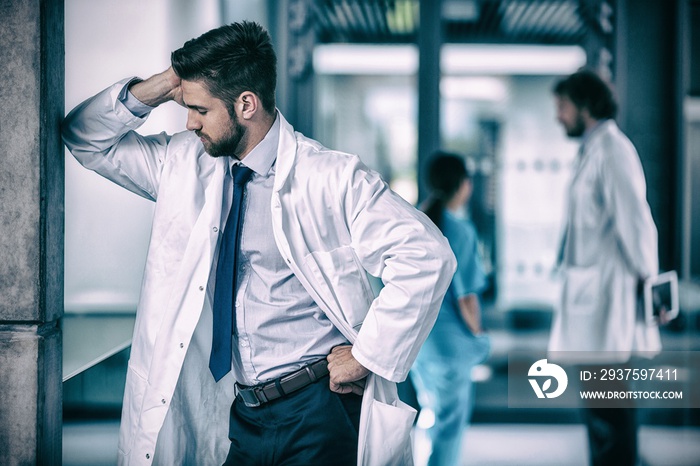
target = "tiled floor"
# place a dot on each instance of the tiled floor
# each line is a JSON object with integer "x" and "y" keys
{"x": 564, "y": 445}
{"x": 90, "y": 443}
{"x": 95, "y": 444}
{"x": 499, "y": 437}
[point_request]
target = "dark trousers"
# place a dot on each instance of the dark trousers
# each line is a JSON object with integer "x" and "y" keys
{"x": 612, "y": 436}
{"x": 312, "y": 426}
{"x": 612, "y": 430}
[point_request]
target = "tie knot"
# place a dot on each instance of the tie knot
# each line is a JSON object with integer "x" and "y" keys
{"x": 241, "y": 174}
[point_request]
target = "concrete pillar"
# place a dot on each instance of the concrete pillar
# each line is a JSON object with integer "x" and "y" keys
{"x": 296, "y": 38}
{"x": 31, "y": 243}
{"x": 646, "y": 67}
{"x": 430, "y": 38}
{"x": 600, "y": 35}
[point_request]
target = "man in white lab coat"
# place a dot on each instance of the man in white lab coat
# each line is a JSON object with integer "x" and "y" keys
{"x": 307, "y": 334}
{"x": 609, "y": 247}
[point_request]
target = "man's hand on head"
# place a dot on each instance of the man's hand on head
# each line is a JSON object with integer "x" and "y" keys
{"x": 346, "y": 374}
{"x": 159, "y": 88}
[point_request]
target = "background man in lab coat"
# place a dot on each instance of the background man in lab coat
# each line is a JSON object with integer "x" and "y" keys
{"x": 314, "y": 221}
{"x": 609, "y": 247}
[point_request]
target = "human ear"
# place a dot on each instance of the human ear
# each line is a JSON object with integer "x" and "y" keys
{"x": 467, "y": 189}
{"x": 248, "y": 104}
{"x": 585, "y": 113}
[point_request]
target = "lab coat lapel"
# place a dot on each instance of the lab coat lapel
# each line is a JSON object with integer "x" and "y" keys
{"x": 209, "y": 217}
{"x": 286, "y": 153}
{"x": 385, "y": 423}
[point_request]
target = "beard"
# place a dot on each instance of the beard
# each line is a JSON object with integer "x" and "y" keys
{"x": 576, "y": 129}
{"x": 229, "y": 144}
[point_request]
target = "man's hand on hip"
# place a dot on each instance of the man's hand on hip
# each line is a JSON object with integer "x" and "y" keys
{"x": 346, "y": 374}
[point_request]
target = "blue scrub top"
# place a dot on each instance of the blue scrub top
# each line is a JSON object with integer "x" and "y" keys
{"x": 469, "y": 277}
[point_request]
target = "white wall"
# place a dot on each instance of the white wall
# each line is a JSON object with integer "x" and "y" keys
{"x": 107, "y": 228}
{"x": 534, "y": 174}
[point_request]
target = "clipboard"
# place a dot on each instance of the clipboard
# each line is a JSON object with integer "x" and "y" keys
{"x": 661, "y": 292}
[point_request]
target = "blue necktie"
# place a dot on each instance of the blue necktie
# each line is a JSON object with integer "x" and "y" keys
{"x": 225, "y": 291}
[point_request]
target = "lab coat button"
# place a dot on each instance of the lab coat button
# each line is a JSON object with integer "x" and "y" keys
{"x": 182, "y": 345}
{"x": 163, "y": 401}
{"x": 148, "y": 457}
{"x": 216, "y": 230}
{"x": 201, "y": 288}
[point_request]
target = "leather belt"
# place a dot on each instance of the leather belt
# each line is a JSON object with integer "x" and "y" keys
{"x": 264, "y": 393}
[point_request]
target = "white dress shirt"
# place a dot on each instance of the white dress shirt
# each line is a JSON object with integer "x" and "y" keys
{"x": 279, "y": 327}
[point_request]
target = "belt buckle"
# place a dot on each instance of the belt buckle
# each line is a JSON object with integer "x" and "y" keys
{"x": 249, "y": 397}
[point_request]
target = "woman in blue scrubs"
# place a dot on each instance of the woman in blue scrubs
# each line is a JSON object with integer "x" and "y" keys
{"x": 442, "y": 371}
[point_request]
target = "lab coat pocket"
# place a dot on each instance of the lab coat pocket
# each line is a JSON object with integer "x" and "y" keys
{"x": 385, "y": 427}
{"x": 131, "y": 409}
{"x": 581, "y": 290}
{"x": 344, "y": 282}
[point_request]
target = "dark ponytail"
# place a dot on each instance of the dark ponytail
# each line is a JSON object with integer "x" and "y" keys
{"x": 445, "y": 173}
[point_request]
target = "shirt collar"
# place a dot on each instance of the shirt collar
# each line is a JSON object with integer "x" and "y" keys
{"x": 263, "y": 156}
{"x": 587, "y": 134}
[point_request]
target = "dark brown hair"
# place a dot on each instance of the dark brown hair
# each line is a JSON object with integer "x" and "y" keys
{"x": 587, "y": 90}
{"x": 230, "y": 60}
{"x": 446, "y": 172}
